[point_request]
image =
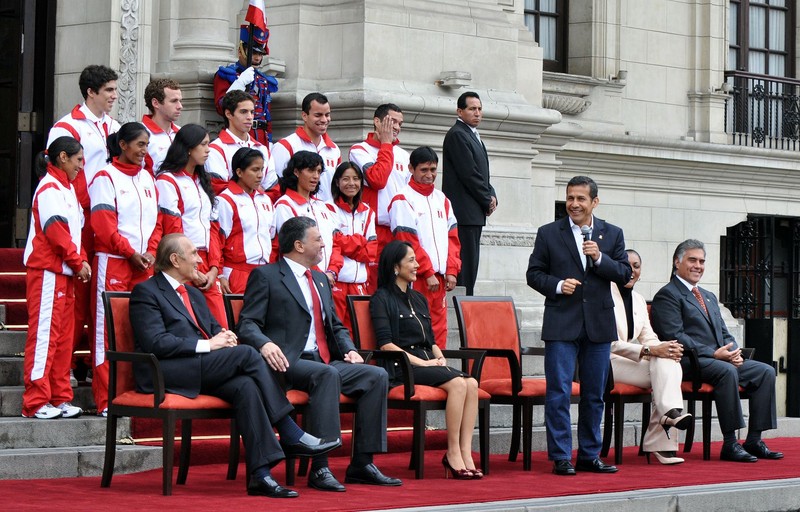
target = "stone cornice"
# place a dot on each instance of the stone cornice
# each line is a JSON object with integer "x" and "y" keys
{"x": 507, "y": 238}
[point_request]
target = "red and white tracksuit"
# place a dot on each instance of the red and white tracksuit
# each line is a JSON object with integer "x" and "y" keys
{"x": 292, "y": 204}
{"x": 92, "y": 132}
{"x": 359, "y": 245}
{"x": 246, "y": 228}
{"x": 219, "y": 163}
{"x": 185, "y": 208}
{"x": 125, "y": 222}
{"x": 53, "y": 255}
{"x": 386, "y": 173}
{"x": 422, "y": 216}
{"x": 160, "y": 142}
{"x": 283, "y": 150}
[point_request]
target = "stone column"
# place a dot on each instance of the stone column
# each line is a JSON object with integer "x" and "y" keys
{"x": 194, "y": 39}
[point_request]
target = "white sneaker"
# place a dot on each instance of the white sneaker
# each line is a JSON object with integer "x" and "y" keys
{"x": 73, "y": 382}
{"x": 103, "y": 413}
{"x": 46, "y": 412}
{"x": 69, "y": 411}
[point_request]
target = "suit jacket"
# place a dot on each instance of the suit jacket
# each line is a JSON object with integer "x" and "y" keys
{"x": 677, "y": 315}
{"x": 275, "y": 310}
{"x": 555, "y": 258}
{"x": 630, "y": 345}
{"x": 465, "y": 178}
{"x": 162, "y": 325}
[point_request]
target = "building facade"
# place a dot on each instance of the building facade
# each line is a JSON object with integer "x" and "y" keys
{"x": 684, "y": 111}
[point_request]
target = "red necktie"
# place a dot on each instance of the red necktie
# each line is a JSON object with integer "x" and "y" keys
{"x": 699, "y": 298}
{"x": 319, "y": 328}
{"x": 185, "y": 296}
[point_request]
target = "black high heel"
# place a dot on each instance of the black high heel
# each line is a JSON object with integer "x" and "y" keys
{"x": 674, "y": 419}
{"x": 458, "y": 474}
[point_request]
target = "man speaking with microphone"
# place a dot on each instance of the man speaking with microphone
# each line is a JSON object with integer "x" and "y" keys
{"x": 574, "y": 260}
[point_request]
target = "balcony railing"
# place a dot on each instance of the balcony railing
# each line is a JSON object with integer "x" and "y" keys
{"x": 763, "y": 111}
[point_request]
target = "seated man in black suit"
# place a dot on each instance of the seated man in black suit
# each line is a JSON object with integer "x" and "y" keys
{"x": 288, "y": 315}
{"x": 198, "y": 356}
{"x": 682, "y": 311}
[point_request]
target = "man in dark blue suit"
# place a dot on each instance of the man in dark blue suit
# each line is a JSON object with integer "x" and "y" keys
{"x": 573, "y": 270}
{"x": 198, "y": 356}
{"x": 290, "y": 318}
{"x": 685, "y": 312}
{"x": 465, "y": 182}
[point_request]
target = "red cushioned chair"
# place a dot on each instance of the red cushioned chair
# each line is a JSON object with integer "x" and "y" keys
{"x": 415, "y": 397}
{"x": 490, "y": 324}
{"x": 299, "y": 399}
{"x": 694, "y": 390}
{"x": 124, "y": 400}
{"x": 618, "y": 394}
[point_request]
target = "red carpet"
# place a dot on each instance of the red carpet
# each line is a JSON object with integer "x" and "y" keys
{"x": 207, "y": 488}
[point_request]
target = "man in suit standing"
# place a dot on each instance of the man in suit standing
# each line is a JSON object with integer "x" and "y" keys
{"x": 573, "y": 270}
{"x": 197, "y": 356}
{"x": 685, "y": 312}
{"x": 289, "y": 316}
{"x": 466, "y": 183}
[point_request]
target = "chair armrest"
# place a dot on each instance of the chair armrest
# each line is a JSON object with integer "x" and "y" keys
{"x": 513, "y": 363}
{"x": 466, "y": 355}
{"x": 405, "y": 368}
{"x": 694, "y": 368}
{"x": 366, "y": 355}
{"x": 748, "y": 352}
{"x": 532, "y": 351}
{"x": 155, "y": 370}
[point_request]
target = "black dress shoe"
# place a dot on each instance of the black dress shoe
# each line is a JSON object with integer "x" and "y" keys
{"x": 735, "y": 453}
{"x": 595, "y": 466}
{"x": 563, "y": 468}
{"x": 760, "y": 450}
{"x": 371, "y": 475}
{"x": 267, "y": 486}
{"x": 310, "y": 450}
{"x": 323, "y": 480}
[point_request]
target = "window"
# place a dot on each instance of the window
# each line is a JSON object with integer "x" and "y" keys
{"x": 547, "y": 20}
{"x": 761, "y": 37}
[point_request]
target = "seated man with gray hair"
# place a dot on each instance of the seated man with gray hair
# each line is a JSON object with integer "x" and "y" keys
{"x": 197, "y": 356}
{"x": 682, "y": 311}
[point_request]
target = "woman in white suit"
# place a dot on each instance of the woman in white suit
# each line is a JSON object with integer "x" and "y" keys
{"x": 639, "y": 358}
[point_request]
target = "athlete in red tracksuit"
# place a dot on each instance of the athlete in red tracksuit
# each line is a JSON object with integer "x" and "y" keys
{"x": 53, "y": 259}
{"x": 385, "y": 166}
{"x": 422, "y": 216}
{"x": 356, "y": 237}
{"x": 185, "y": 200}
{"x": 246, "y": 221}
{"x": 300, "y": 182}
{"x": 90, "y": 124}
{"x": 126, "y": 235}
{"x": 312, "y": 136}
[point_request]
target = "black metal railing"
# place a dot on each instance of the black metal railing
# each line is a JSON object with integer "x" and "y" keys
{"x": 763, "y": 111}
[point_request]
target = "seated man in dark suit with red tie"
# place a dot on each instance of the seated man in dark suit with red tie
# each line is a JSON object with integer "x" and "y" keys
{"x": 289, "y": 316}
{"x": 198, "y": 356}
{"x": 682, "y": 311}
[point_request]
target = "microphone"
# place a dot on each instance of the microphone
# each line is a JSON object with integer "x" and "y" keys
{"x": 586, "y": 231}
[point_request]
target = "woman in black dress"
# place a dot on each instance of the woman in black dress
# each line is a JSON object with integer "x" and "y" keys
{"x": 402, "y": 321}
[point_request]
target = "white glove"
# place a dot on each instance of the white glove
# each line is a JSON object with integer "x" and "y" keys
{"x": 245, "y": 79}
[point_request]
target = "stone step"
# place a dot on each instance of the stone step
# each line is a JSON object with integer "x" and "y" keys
{"x": 11, "y": 371}
{"x": 11, "y": 399}
{"x": 12, "y": 343}
{"x": 67, "y": 462}
{"x": 87, "y": 430}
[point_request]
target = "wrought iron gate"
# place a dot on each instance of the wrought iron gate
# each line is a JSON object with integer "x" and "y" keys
{"x": 760, "y": 281}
